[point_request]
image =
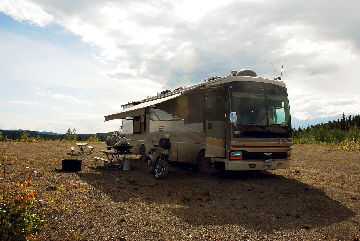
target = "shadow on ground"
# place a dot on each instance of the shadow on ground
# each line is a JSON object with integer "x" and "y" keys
{"x": 265, "y": 202}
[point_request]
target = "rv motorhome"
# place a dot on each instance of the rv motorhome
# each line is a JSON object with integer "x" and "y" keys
{"x": 236, "y": 122}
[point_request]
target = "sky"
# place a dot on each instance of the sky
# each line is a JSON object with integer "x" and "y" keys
{"x": 66, "y": 64}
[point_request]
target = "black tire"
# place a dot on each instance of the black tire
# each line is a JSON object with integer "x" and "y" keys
{"x": 204, "y": 164}
{"x": 161, "y": 168}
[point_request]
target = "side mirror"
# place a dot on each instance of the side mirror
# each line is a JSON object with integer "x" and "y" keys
{"x": 233, "y": 117}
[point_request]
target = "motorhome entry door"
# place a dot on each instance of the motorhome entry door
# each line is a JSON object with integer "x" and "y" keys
{"x": 215, "y": 125}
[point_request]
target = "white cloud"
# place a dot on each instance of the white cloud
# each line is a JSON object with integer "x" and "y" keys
{"x": 67, "y": 98}
{"x": 25, "y": 102}
{"x": 312, "y": 46}
{"x": 22, "y": 10}
{"x": 194, "y": 10}
{"x": 317, "y": 106}
{"x": 94, "y": 35}
{"x": 130, "y": 78}
{"x": 79, "y": 116}
{"x": 302, "y": 115}
{"x": 43, "y": 93}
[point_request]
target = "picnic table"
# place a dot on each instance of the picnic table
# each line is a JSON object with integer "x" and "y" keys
{"x": 82, "y": 149}
{"x": 81, "y": 146}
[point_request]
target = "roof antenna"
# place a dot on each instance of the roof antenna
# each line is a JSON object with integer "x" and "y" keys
{"x": 273, "y": 67}
{"x": 282, "y": 68}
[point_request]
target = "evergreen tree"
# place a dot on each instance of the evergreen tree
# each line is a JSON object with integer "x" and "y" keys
{"x": 71, "y": 135}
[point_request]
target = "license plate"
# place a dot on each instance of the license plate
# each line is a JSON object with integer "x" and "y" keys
{"x": 268, "y": 164}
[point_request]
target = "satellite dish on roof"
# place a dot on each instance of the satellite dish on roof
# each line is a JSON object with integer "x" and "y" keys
{"x": 247, "y": 72}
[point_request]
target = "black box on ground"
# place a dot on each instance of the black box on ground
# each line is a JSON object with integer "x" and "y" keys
{"x": 71, "y": 165}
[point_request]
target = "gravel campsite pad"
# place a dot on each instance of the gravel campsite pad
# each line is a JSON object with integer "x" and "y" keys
{"x": 318, "y": 198}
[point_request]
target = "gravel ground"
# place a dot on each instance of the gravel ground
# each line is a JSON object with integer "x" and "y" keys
{"x": 318, "y": 198}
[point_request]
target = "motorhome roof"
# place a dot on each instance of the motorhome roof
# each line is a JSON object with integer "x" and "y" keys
{"x": 242, "y": 75}
{"x": 218, "y": 80}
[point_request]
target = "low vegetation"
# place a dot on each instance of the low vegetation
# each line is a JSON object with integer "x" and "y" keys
{"x": 345, "y": 133}
{"x": 20, "y": 215}
{"x": 93, "y": 138}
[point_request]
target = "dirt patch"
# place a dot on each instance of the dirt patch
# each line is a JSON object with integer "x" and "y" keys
{"x": 317, "y": 198}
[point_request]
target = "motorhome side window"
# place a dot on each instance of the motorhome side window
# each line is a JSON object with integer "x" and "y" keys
{"x": 196, "y": 108}
{"x": 189, "y": 107}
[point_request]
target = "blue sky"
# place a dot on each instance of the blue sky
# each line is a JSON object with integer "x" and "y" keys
{"x": 66, "y": 64}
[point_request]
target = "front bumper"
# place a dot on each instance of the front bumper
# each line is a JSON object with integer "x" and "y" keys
{"x": 255, "y": 165}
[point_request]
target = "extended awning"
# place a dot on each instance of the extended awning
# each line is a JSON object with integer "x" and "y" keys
{"x": 138, "y": 109}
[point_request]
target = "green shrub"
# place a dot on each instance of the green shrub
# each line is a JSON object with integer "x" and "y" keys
{"x": 71, "y": 135}
{"x": 352, "y": 140}
{"x": 26, "y": 137}
{"x": 348, "y": 140}
{"x": 19, "y": 216}
{"x": 93, "y": 138}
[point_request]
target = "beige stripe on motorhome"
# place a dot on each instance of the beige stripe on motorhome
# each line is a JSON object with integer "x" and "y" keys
{"x": 215, "y": 142}
{"x": 273, "y": 143}
{"x": 261, "y": 149}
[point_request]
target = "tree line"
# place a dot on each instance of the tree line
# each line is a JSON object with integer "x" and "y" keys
{"x": 344, "y": 132}
{"x": 70, "y": 135}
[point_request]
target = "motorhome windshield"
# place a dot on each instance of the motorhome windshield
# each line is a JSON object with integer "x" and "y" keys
{"x": 260, "y": 106}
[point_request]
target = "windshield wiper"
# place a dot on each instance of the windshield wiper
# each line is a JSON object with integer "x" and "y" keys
{"x": 282, "y": 124}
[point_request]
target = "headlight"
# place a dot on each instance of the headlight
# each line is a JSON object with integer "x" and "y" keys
{"x": 235, "y": 155}
{"x": 165, "y": 151}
